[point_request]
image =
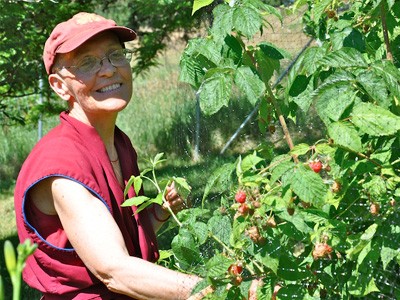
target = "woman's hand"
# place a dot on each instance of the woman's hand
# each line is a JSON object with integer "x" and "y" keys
{"x": 174, "y": 200}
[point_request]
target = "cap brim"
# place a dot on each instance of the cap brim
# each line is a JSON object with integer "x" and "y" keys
{"x": 124, "y": 34}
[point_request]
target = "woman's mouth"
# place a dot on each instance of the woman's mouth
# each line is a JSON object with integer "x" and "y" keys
{"x": 109, "y": 88}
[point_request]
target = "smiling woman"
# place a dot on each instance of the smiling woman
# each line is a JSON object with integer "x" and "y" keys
{"x": 70, "y": 189}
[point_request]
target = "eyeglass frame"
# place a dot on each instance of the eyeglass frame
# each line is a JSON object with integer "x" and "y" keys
{"x": 126, "y": 52}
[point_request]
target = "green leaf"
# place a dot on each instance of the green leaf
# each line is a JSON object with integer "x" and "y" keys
{"x": 375, "y": 86}
{"x": 137, "y": 184}
{"x": 345, "y": 135}
{"x": 268, "y": 260}
{"x": 246, "y": 20}
{"x": 182, "y": 187}
{"x": 375, "y": 187}
{"x": 236, "y": 239}
{"x": 308, "y": 185}
{"x": 387, "y": 255}
{"x": 386, "y": 70}
{"x": 290, "y": 270}
{"x": 223, "y": 22}
{"x": 281, "y": 167}
{"x": 215, "y": 93}
{"x": 136, "y": 201}
{"x": 362, "y": 284}
{"x": 334, "y": 97}
{"x": 197, "y": 4}
{"x": 249, "y": 162}
{"x": 217, "y": 266}
{"x": 310, "y": 60}
{"x": 375, "y": 120}
{"x": 185, "y": 248}
{"x": 300, "y": 149}
{"x": 362, "y": 242}
{"x": 200, "y": 230}
{"x": 220, "y": 178}
{"x": 344, "y": 58}
{"x": 220, "y": 226}
{"x": 249, "y": 83}
{"x": 266, "y": 65}
{"x": 128, "y": 185}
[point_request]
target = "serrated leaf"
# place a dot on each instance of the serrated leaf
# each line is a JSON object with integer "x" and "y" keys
{"x": 310, "y": 60}
{"x": 249, "y": 162}
{"x": 390, "y": 74}
{"x": 197, "y": 4}
{"x": 200, "y": 230}
{"x": 223, "y": 21}
{"x": 300, "y": 149}
{"x": 185, "y": 248}
{"x": 281, "y": 168}
{"x": 249, "y": 83}
{"x": 308, "y": 185}
{"x": 219, "y": 178}
{"x": 362, "y": 284}
{"x": 375, "y": 86}
{"x": 137, "y": 184}
{"x": 220, "y": 226}
{"x": 345, "y": 135}
{"x": 182, "y": 187}
{"x": 215, "y": 93}
{"x": 344, "y": 58}
{"x": 375, "y": 120}
{"x": 217, "y": 266}
{"x": 333, "y": 98}
{"x": 266, "y": 65}
{"x": 246, "y": 20}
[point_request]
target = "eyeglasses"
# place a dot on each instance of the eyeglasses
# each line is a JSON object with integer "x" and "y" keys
{"x": 90, "y": 65}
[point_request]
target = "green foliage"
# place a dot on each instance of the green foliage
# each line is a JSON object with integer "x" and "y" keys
{"x": 297, "y": 232}
{"x": 15, "y": 264}
{"x": 24, "y": 28}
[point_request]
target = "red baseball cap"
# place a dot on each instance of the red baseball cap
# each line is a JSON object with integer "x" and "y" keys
{"x": 72, "y": 33}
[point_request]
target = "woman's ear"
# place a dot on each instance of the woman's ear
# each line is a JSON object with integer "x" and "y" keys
{"x": 59, "y": 86}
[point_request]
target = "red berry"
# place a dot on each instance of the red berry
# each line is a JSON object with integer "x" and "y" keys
{"x": 316, "y": 166}
{"x": 235, "y": 269}
{"x": 240, "y": 197}
{"x": 243, "y": 209}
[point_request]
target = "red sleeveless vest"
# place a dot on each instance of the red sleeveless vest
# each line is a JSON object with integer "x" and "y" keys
{"x": 74, "y": 150}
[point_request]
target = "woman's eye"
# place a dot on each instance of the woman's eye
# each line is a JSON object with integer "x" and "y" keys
{"x": 87, "y": 63}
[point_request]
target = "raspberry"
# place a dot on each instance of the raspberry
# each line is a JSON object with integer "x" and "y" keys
{"x": 240, "y": 197}
{"x": 316, "y": 166}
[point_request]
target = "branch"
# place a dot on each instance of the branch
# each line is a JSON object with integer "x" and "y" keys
{"x": 389, "y": 55}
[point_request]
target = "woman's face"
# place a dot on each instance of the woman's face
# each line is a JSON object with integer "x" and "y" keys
{"x": 106, "y": 91}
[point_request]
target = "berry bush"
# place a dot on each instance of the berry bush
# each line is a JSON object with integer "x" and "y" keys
{"x": 319, "y": 221}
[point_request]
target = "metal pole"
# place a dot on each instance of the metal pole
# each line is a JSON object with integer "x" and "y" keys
{"x": 196, "y": 154}
{"x": 40, "y": 123}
